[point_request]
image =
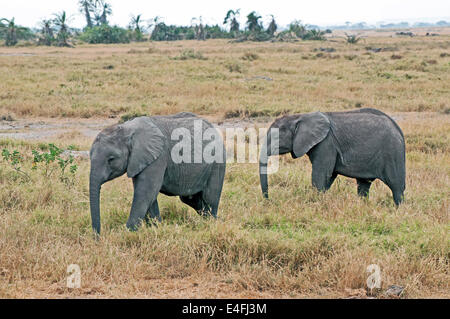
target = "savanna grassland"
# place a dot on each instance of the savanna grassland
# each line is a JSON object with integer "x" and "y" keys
{"x": 299, "y": 243}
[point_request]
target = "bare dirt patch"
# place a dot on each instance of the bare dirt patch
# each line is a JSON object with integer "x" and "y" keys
{"x": 45, "y": 128}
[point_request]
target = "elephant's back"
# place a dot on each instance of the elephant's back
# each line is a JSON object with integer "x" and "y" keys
{"x": 189, "y": 139}
{"x": 366, "y": 124}
{"x": 367, "y": 119}
{"x": 366, "y": 138}
{"x": 183, "y": 120}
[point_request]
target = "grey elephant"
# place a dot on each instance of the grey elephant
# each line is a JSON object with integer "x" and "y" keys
{"x": 146, "y": 148}
{"x": 365, "y": 144}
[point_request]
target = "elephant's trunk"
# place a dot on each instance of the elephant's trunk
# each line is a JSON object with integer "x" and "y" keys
{"x": 94, "y": 197}
{"x": 263, "y": 159}
{"x": 263, "y": 179}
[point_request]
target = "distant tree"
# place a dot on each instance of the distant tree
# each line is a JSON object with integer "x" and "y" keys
{"x": 138, "y": 30}
{"x": 47, "y": 36}
{"x": 422, "y": 24}
{"x": 297, "y": 28}
{"x": 12, "y": 32}
{"x": 105, "y": 34}
{"x": 86, "y": 7}
{"x": 157, "y": 24}
{"x": 62, "y": 28}
{"x": 101, "y": 10}
{"x": 199, "y": 29}
{"x": 106, "y": 11}
{"x": 272, "y": 28}
{"x": 216, "y": 32}
{"x": 359, "y": 26}
{"x": 153, "y": 22}
{"x": 253, "y": 23}
{"x": 352, "y": 38}
{"x": 442, "y": 23}
{"x": 314, "y": 34}
{"x": 231, "y": 20}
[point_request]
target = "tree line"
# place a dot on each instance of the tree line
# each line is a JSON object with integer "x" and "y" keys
{"x": 57, "y": 31}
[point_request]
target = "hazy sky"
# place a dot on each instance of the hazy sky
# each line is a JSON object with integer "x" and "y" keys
{"x": 320, "y": 12}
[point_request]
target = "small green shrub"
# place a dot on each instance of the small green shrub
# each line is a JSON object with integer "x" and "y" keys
{"x": 314, "y": 35}
{"x": 190, "y": 54}
{"x": 129, "y": 116}
{"x": 249, "y": 56}
{"x": 234, "y": 67}
{"x": 352, "y": 38}
{"x": 51, "y": 160}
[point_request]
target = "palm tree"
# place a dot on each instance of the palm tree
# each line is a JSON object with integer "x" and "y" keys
{"x": 231, "y": 19}
{"x": 253, "y": 23}
{"x": 157, "y": 23}
{"x": 101, "y": 10}
{"x": 11, "y": 31}
{"x": 60, "y": 22}
{"x": 47, "y": 36}
{"x": 199, "y": 29}
{"x": 297, "y": 28}
{"x": 106, "y": 11}
{"x": 136, "y": 27}
{"x": 86, "y": 7}
{"x": 272, "y": 28}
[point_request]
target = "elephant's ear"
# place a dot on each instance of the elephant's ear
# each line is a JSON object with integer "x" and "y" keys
{"x": 310, "y": 130}
{"x": 146, "y": 145}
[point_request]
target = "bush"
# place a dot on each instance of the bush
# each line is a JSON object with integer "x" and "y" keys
{"x": 163, "y": 32}
{"x": 47, "y": 161}
{"x": 105, "y": 34}
{"x": 314, "y": 35}
{"x": 216, "y": 32}
{"x": 190, "y": 54}
{"x": 297, "y": 28}
{"x": 249, "y": 56}
{"x": 129, "y": 116}
{"x": 257, "y": 36}
{"x": 352, "y": 38}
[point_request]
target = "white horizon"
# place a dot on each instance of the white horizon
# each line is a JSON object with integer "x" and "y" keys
{"x": 325, "y": 13}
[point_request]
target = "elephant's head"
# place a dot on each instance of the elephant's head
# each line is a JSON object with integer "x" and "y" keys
{"x": 297, "y": 134}
{"x": 128, "y": 147}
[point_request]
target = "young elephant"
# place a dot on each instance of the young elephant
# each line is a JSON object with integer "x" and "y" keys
{"x": 144, "y": 148}
{"x": 364, "y": 144}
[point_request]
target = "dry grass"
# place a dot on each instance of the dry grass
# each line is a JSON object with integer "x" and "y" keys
{"x": 107, "y": 80}
{"x": 298, "y": 244}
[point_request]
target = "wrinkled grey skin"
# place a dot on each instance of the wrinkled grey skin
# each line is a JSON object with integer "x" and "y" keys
{"x": 365, "y": 144}
{"x": 142, "y": 149}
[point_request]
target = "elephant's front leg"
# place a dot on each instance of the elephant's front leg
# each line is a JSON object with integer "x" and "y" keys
{"x": 146, "y": 188}
{"x": 323, "y": 159}
{"x": 153, "y": 213}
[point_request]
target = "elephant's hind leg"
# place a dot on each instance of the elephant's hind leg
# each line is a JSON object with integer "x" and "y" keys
{"x": 195, "y": 201}
{"x": 363, "y": 186}
{"x": 395, "y": 179}
{"x": 397, "y": 192}
{"x": 198, "y": 203}
{"x": 211, "y": 193}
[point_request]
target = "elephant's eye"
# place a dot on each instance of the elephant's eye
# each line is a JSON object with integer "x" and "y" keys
{"x": 110, "y": 160}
